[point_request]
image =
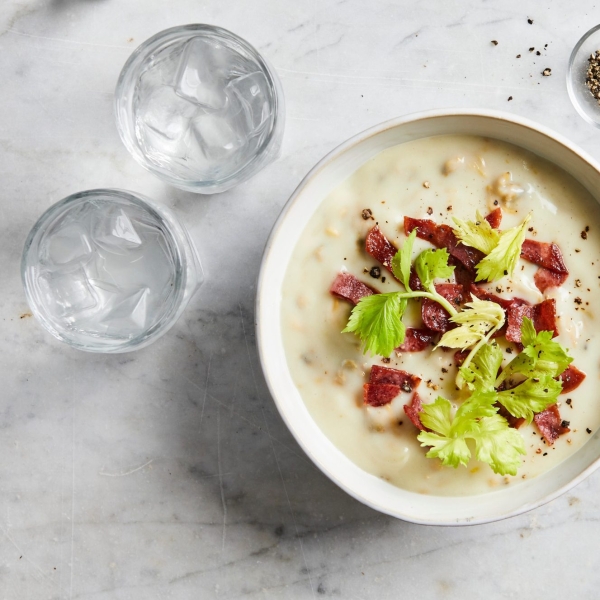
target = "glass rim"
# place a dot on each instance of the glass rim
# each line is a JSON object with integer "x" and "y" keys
{"x": 109, "y": 345}
{"x": 121, "y": 105}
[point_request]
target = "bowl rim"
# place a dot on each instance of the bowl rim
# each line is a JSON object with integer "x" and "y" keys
{"x": 330, "y": 157}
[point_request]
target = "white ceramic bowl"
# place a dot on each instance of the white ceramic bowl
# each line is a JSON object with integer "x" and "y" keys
{"x": 327, "y": 174}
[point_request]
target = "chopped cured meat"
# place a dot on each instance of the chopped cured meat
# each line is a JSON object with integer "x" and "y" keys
{"x": 495, "y": 218}
{"x": 571, "y": 379}
{"x": 553, "y": 271}
{"x": 462, "y": 275}
{"x": 426, "y": 229}
{"x": 544, "y": 279}
{"x": 442, "y": 236}
{"x": 379, "y": 394}
{"x": 514, "y": 422}
{"x": 413, "y": 411}
{"x": 545, "y": 255}
{"x": 417, "y": 340}
{"x": 550, "y": 424}
{"x": 414, "y": 281}
{"x": 380, "y": 248}
{"x": 347, "y": 287}
{"x": 406, "y": 381}
{"x": 453, "y": 292}
{"x": 543, "y": 316}
{"x": 514, "y": 317}
{"x": 460, "y": 356}
{"x": 434, "y": 315}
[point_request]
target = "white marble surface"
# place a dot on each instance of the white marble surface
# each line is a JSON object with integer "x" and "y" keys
{"x": 167, "y": 473}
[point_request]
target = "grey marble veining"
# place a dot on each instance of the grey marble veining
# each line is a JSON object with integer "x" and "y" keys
{"x": 167, "y": 473}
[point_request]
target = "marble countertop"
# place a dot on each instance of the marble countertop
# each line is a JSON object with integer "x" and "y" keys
{"x": 167, "y": 473}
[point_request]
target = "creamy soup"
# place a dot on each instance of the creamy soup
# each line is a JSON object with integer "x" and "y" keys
{"x": 437, "y": 178}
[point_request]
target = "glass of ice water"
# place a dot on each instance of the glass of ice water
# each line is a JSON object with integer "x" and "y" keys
{"x": 108, "y": 270}
{"x": 200, "y": 108}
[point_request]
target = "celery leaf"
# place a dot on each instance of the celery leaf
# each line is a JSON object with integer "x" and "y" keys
{"x": 503, "y": 259}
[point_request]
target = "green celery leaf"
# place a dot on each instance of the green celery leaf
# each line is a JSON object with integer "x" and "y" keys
{"x": 479, "y": 404}
{"x": 532, "y": 396}
{"x": 540, "y": 347}
{"x": 499, "y": 445}
{"x": 495, "y": 443}
{"x": 438, "y": 416}
{"x": 503, "y": 259}
{"x": 476, "y": 321}
{"x": 482, "y": 372}
{"x": 451, "y": 451}
{"x": 377, "y": 320}
{"x": 528, "y": 333}
{"x": 447, "y": 444}
{"x": 478, "y": 234}
{"x": 540, "y": 356}
{"x": 433, "y": 264}
{"x": 402, "y": 260}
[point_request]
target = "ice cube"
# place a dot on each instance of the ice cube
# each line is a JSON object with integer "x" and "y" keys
{"x": 220, "y": 135}
{"x": 253, "y": 92}
{"x": 129, "y": 314}
{"x": 161, "y": 69}
{"x": 166, "y": 113}
{"x": 67, "y": 293}
{"x": 112, "y": 230}
{"x": 67, "y": 245}
{"x": 205, "y": 69}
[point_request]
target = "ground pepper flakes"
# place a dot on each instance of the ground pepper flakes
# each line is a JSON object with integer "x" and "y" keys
{"x": 592, "y": 76}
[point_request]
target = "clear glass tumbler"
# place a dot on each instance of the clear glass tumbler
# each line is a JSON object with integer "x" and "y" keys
{"x": 108, "y": 270}
{"x": 200, "y": 108}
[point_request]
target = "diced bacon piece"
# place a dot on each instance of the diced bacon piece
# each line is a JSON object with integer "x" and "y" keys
{"x": 571, "y": 379}
{"x": 434, "y": 315}
{"x": 379, "y": 394}
{"x": 414, "y": 281}
{"x": 426, "y": 229}
{"x": 545, "y": 255}
{"x": 413, "y": 411}
{"x": 553, "y": 271}
{"x": 347, "y": 287}
{"x": 514, "y": 422}
{"x": 460, "y": 356}
{"x": 543, "y": 316}
{"x": 514, "y": 316}
{"x": 442, "y": 236}
{"x": 380, "y": 248}
{"x": 550, "y": 424}
{"x": 462, "y": 275}
{"x": 404, "y": 380}
{"x": 544, "y": 279}
{"x": 495, "y": 218}
{"x": 453, "y": 292}
{"x": 417, "y": 340}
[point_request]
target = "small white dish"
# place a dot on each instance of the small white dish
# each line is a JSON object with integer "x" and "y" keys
{"x": 581, "y": 97}
{"x": 327, "y": 174}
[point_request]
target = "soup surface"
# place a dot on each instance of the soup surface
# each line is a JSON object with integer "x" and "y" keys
{"x": 437, "y": 178}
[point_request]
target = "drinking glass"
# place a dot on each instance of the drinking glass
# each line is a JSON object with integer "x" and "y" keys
{"x": 108, "y": 270}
